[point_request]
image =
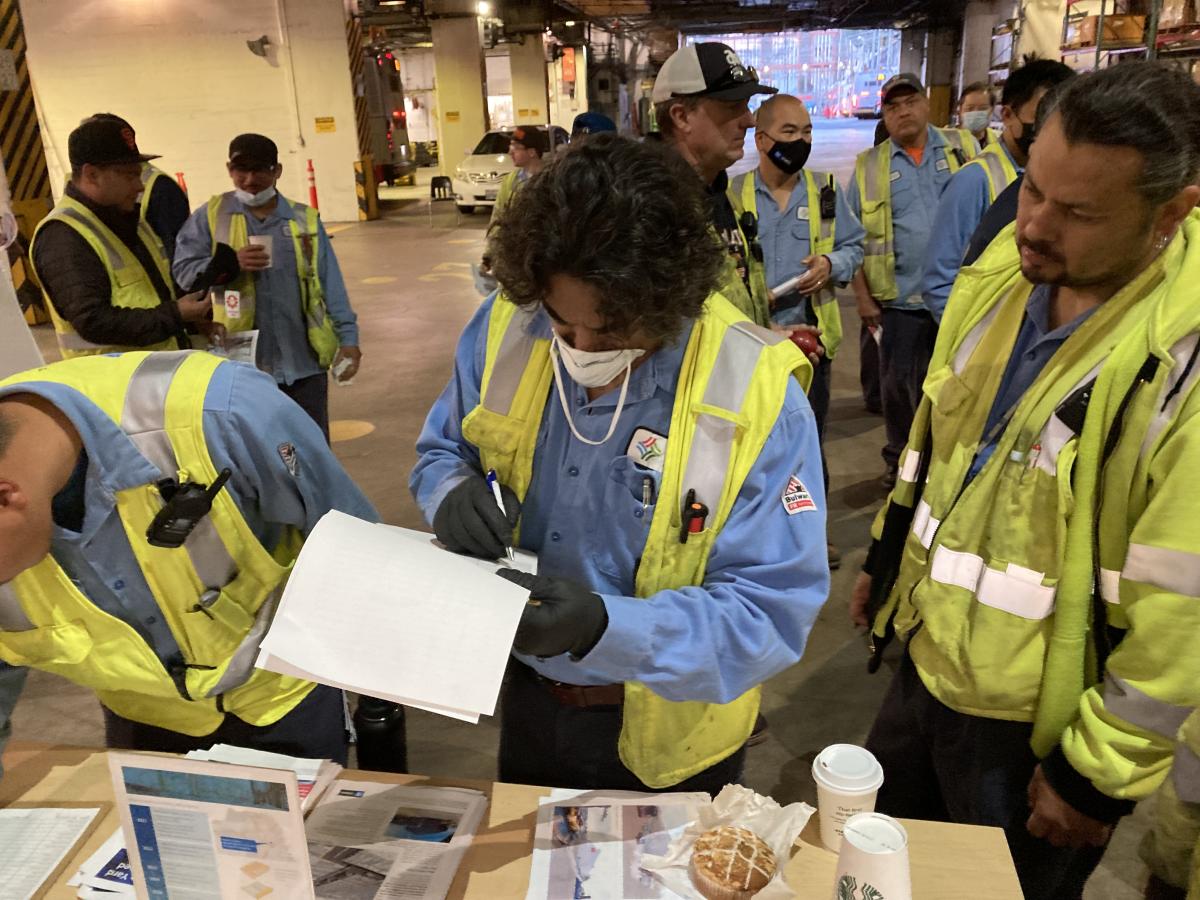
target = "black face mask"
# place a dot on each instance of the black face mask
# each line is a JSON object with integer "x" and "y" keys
{"x": 1028, "y": 135}
{"x": 790, "y": 156}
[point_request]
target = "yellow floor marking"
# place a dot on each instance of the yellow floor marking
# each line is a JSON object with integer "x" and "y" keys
{"x": 349, "y": 429}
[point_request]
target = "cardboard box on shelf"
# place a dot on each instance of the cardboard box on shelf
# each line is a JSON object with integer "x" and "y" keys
{"x": 1119, "y": 31}
{"x": 1178, "y": 13}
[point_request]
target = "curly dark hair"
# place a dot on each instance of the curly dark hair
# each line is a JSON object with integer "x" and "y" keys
{"x": 631, "y": 220}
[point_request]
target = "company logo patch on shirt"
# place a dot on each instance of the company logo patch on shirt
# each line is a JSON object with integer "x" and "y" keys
{"x": 942, "y": 164}
{"x": 287, "y": 452}
{"x": 895, "y": 176}
{"x": 647, "y": 449}
{"x": 796, "y": 497}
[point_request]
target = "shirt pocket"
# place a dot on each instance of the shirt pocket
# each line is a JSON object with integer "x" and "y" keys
{"x": 630, "y": 499}
{"x": 904, "y": 193}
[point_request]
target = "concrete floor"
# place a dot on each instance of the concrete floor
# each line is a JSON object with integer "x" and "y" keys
{"x": 412, "y": 289}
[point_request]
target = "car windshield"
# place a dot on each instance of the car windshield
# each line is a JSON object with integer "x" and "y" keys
{"x": 493, "y": 143}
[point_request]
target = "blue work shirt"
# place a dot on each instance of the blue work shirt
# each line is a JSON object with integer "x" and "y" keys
{"x": 1036, "y": 344}
{"x": 246, "y": 421}
{"x": 916, "y": 191}
{"x": 283, "y": 348}
{"x": 785, "y": 235}
{"x": 964, "y": 201}
{"x": 767, "y": 574}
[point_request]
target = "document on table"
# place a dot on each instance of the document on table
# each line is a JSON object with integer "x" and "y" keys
{"x": 206, "y": 830}
{"x": 312, "y": 775}
{"x": 367, "y": 839}
{"x": 384, "y": 611}
{"x": 106, "y": 871}
{"x": 33, "y": 843}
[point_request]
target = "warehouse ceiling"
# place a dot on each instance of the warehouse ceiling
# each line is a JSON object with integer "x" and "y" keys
{"x": 715, "y": 16}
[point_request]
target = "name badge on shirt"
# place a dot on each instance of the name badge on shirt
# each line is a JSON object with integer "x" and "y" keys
{"x": 802, "y": 212}
{"x": 647, "y": 449}
{"x": 942, "y": 164}
{"x": 233, "y": 305}
{"x": 895, "y": 176}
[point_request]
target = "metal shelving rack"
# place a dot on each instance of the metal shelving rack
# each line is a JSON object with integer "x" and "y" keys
{"x": 1105, "y": 53}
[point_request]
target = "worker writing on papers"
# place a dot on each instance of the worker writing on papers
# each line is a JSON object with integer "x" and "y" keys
{"x": 657, "y": 451}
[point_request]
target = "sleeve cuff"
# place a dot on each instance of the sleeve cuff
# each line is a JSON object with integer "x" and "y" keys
{"x": 348, "y": 336}
{"x": 1080, "y": 792}
{"x": 623, "y": 649}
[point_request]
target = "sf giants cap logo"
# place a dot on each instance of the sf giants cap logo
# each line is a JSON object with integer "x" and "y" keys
{"x": 736, "y": 69}
{"x": 127, "y": 137}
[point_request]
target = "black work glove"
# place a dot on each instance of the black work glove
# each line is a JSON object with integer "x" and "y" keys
{"x": 562, "y": 617}
{"x": 470, "y": 522}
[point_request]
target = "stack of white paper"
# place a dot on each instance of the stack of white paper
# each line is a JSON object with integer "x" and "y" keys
{"x": 383, "y": 611}
{"x": 34, "y": 842}
{"x": 312, "y": 775}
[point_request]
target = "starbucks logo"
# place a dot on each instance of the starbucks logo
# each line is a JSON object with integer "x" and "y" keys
{"x": 847, "y": 889}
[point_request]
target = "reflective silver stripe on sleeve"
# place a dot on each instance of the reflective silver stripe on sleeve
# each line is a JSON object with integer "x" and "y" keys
{"x": 997, "y": 177}
{"x": 12, "y": 614}
{"x": 1172, "y": 570}
{"x": 1110, "y": 585}
{"x": 225, "y": 212}
{"x": 728, "y": 382}
{"x": 910, "y": 466}
{"x": 115, "y": 261}
{"x": 1181, "y": 353}
{"x": 144, "y": 420}
{"x": 511, "y": 361}
{"x": 241, "y": 663}
{"x": 924, "y": 525}
{"x": 1157, "y": 716}
{"x": 1185, "y": 774}
{"x": 963, "y": 355}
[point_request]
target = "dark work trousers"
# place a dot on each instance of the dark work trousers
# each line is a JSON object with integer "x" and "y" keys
{"x": 908, "y": 338}
{"x": 543, "y": 741}
{"x": 312, "y": 393}
{"x": 943, "y": 765}
{"x": 868, "y": 370}
{"x": 314, "y": 729}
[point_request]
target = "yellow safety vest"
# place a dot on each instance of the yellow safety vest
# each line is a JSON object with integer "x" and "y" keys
{"x": 1000, "y": 170}
{"x": 718, "y": 428}
{"x": 150, "y": 175}
{"x": 873, "y": 172}
{"x": 1172, "y": 846}
{"x": 1001, "y": 577}
{"x": 821, "y": 234}
{"x": 227, "y": 225}
{"x": 508, "y": 186}
{"x": 131, "y": 287}
{"x": 217, "y": 592}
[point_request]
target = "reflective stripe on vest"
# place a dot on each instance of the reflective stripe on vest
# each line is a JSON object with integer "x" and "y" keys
{"x": 1157, "y": 716}
{"x": 820, "y": 240}
{"x": 12, "y": 616}
{"x": 998, "y": 167}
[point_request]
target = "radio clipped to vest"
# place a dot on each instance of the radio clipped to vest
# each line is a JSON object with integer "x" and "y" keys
{"x": 828, "y": 201}
{"x": 749, "y": 225}
{"x": 186, "y": 505}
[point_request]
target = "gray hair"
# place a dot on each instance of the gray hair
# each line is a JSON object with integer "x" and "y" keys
{"x": 1147, "y": 106}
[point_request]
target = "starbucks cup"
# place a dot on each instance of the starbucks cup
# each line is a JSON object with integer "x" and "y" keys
{"x": 848, "y": 778}
{"x": 265, "y": 241}
{"x": 873, "y": 861}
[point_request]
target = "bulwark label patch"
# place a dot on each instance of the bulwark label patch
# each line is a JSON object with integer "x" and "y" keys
{"x": 287, "y": 452}
{"x": 796, "y": 497}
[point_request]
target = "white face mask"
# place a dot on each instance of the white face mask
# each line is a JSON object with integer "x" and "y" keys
{"x": 976, "y": 120}
{"x": 262, "y": 198}
{"x": 592, "y": 370}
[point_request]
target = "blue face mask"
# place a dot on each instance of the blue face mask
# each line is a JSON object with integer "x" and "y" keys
{"x": 262, "y": 198}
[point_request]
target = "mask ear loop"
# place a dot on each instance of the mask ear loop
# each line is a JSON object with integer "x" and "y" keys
{"x": 566, "y": 408}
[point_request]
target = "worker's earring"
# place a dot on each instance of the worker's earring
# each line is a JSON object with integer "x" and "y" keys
{"x": 1161, "y": 244}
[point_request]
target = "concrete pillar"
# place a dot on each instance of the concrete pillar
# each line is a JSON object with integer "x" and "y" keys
{"x": 528, "y": 63}
{"x": 912, "y": 51}
{"x": 461, "y": 95}
{"x": 979, "y": 18}
{"x": 939, "y": 73}
{"x": 1041, "y": 29}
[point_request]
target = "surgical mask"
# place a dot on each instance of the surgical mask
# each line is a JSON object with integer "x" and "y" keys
{"x": 1025, "y": 141}
{"x": 790, "y": 156}
{"x": 592, "y": 370}
{"x": 262, "y": 198}
{"x": 976, "y": 120}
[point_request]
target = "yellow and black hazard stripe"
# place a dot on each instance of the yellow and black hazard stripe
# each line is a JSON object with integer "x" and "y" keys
{"x": 354, "y": 47}
{"x": 20, "y": 134}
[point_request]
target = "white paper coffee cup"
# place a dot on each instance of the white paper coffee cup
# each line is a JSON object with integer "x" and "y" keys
{"x": 848, "y": 779}
{"x": 873, "y": 861}
{"x": 265, "y": 241}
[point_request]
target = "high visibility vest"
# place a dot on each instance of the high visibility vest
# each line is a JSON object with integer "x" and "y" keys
{"x": 217, "y": 592}
{"x": 718, "y": 427}
{"x": 131, "y": 287}
{"x": 1000, "y": 170}
{"x": 1001, "y": 578}
{"x": 821, "y": 234}
{"x": 873, "y": 171}
{"x": 749, "y": 298}
{"x": 227, "y": 225}
{"x": 1172, "y": 846}
{"x": 150, "y": 175}
{"x": 508, "y": 186}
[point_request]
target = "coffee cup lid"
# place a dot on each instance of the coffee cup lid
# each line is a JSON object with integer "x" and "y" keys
{"x": 848, "y": 768}
{"x": 874, "y": 832}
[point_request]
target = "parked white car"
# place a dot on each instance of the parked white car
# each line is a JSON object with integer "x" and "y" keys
{"x": 477, "y": 178}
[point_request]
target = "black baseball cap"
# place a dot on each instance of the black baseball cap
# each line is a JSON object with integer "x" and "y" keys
{"x": 903, "y": 80}
{"x": 708, "y": 69}
{"x": 253, "y": 151}
{"x": 531, "y": 138}
{"x": 104, "y": 142}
